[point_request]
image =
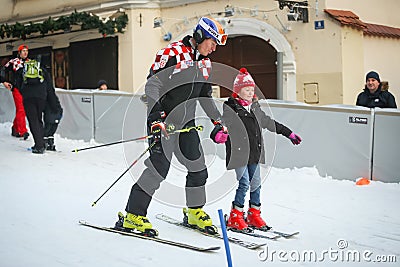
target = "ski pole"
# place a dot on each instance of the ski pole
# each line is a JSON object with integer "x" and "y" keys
{"x": 114, "y": 143}
{"x": 225, "y": 236}
{"x": 130, "y": 166}
{"x": 184, "y": 130}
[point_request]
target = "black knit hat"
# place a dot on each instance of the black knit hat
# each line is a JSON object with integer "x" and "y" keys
{"x": 101, "y": 82}
{"x": 374, "y": 75}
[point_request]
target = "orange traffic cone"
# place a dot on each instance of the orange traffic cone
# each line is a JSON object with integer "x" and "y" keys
{"x": 363, "y": 181}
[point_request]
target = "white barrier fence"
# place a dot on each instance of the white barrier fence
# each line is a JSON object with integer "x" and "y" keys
{"x": 345, "y": 142}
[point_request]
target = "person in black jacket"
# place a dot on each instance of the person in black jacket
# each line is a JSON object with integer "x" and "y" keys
{"x": 52, "y": 115}
{"x": 34, "y": 91}
{"x": 373, "y": 96}
{"x": 245, "y": 120}
{"x": 176, "y": 83}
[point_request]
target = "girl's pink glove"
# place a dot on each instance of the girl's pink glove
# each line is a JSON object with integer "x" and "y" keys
{"x": 221, "y": 137}
{"x": 295, "y": 138}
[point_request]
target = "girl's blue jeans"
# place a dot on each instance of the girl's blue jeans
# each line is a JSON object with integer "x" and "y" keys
{"x": 248, "y": 177}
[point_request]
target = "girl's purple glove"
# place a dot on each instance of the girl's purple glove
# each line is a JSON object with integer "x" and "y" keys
{"x": 295, "y": 138}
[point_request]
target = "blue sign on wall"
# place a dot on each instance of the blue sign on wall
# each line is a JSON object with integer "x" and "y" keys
{"x": 319, "y": 24}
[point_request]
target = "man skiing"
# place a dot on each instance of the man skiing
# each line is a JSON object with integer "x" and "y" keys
{"x": 176, "y": 83}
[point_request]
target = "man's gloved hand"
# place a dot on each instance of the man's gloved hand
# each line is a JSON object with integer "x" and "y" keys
{"x": 158, "y": 129}
{"x": 220, "y": 133}
{"x": 156, "y": 116}
{"x": 295, "y": 138}
{"x": 155, "y": 120}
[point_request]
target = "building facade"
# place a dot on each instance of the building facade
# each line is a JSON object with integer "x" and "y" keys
{"x": 315, "y": 51}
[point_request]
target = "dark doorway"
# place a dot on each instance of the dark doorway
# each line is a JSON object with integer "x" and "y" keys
{"x": 254, "y": 54}
{"x": 94, "y": 60}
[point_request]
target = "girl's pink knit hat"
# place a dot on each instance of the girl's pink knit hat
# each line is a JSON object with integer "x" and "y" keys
{"x": 243, "y": 79}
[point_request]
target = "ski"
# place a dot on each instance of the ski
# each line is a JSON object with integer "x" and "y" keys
{"x": 234, "y": 240}
{"x": 273, "y": 236}
{"x": 279, "y": 233}
{"x": 250, "y": 231}
{"x": 156, "y": 239}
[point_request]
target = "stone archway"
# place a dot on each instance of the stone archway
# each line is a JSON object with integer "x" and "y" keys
{"x": 262, "y": 30}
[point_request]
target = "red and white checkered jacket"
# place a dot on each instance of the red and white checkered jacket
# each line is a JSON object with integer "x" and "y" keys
{"x": 16, "y": 64}
{"x": 185, "y": 58}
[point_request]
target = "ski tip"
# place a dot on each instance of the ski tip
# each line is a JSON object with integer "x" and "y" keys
{"x": 212, "y": 248}
{"x": 257, "y": 246}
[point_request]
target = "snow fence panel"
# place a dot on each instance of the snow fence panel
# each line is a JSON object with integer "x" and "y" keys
{"x": 77, "y": 121}
{"x": 336, "y": 139}
{"x": 118, "y": 116}
{"x": 386, "y": 149}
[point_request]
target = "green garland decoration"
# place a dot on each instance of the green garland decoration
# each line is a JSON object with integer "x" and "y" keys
{"x": 85, "y": 20}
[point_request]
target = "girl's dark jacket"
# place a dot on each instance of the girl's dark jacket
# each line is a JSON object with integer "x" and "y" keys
{"x": 245, "y": 143}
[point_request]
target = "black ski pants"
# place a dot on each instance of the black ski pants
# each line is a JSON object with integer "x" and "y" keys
{"x": 187, "y": 149}
{"x": 34, "y": 108}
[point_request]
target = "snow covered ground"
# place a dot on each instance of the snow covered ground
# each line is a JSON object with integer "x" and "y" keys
{"x": 44, "y": 196}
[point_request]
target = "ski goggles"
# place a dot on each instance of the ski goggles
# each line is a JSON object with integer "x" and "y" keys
{"x": 220, "y": 37}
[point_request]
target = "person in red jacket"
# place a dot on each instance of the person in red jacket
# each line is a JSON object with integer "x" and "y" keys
{"x": 19, "y": 124}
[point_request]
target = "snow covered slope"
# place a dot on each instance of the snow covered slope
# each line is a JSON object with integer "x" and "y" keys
{"x": 44, "y": 196}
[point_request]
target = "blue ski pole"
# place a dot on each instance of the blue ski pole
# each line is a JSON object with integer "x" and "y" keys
{"x": 225, "y": 235}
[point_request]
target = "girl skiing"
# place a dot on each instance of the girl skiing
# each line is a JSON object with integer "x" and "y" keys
{"x": 244, "y": 149}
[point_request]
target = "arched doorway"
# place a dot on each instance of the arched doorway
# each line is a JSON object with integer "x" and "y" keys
{"x": 286, "y": 61}
{"x": 254, "y": 54}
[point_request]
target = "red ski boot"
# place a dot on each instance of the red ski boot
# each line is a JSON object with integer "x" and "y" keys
{"x": 254, "y": 219}
{"x": 236, "y": 220}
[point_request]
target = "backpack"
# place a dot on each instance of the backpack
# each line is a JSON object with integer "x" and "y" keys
{"x": 32, "y": 72}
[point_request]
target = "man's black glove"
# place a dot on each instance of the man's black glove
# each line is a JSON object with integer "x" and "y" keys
{"x": 155, "y": 120}
{"x": 158, "y": 129}
{"x": 156, "y": 116}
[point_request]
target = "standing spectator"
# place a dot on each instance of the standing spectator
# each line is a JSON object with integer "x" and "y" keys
{"x": 102, "y": 85}
{"x": 34, "y": 83}
{"x": 373, "y": 96}
{"x": 52, "y": 115}
{"x": 245, "y": 149}
{"x": 176, "y": 83}
{"x": 18, "y": 128}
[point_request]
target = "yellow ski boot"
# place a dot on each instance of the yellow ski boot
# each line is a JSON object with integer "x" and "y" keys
{"x": 132, "y": 222}
{"x": 198, "y": 218}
